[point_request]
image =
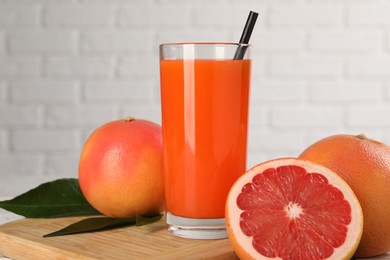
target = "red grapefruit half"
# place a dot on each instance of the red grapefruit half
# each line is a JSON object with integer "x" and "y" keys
{"x": 290, "y": 208}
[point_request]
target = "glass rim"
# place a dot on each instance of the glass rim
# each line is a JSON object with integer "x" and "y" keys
{"x": 205, "y": 44}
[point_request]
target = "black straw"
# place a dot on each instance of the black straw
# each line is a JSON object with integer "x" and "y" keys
{"x": 246, "y": 35}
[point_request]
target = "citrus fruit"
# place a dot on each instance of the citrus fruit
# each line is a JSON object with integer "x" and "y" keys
{"x": 365, "y": 165}
{"x": 120, "y": 168}
{"x": 293, "y": 209}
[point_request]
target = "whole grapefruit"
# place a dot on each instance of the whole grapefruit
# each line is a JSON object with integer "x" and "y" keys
{"x": 365, "y": 165}
{"x": 291, "y": 208}
{"x": 120, "y": 168}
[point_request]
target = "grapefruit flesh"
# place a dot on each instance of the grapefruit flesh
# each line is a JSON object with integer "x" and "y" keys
{"x": 293, "y": 209}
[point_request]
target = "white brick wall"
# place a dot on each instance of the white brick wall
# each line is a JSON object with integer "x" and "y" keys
{"x": 346, "y": 41}
{"x": 372, "y": 16}
{"x": 2, "y": 42}
{"x": 305, "y": 67}
{"x": 79, "y": 16}
{"x": 308, "y": 16}
{"x": 75, "y": 67}
{"x": 37, "y": 41}
{"x": 55, "y": 91}
{"x": 320, "y": 67}
{"x": 19, "y": 66}
{"x": 14, "y": 16}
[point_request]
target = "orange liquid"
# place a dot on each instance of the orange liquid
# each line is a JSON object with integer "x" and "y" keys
{"x": 204, "y": 124}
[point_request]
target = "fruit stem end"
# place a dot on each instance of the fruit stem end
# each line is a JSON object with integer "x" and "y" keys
{"x": 129, "y": 119}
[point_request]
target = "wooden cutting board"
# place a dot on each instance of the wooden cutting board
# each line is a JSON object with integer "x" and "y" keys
{"x": 23, "y": 239}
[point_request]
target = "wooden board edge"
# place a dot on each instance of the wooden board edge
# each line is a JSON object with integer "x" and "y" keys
{"x": 219, "y": 249}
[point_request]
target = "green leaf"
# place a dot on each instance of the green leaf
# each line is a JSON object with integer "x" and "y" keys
{"x": 140, "y": 221}
{"x": 92, "y": 224}
{"x": 102, "y": 223}
{"x": 59, "y": 198}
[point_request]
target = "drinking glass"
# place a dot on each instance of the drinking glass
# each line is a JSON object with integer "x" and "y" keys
{"x": 204, "y": 103}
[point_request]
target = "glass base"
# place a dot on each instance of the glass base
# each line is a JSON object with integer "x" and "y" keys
{"x": 196, "y": 228}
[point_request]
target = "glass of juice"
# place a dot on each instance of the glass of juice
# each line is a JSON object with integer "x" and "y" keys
{"x": 204, "y": 103}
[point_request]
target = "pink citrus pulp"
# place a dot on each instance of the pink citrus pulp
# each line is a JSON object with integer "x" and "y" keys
{"x": 293, "y": 209}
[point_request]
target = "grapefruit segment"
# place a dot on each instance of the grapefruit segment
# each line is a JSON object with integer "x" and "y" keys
{"x": 293, "y": 209}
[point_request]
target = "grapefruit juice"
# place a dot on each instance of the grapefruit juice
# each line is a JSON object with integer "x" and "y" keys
{"x": 204, "y": 124}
